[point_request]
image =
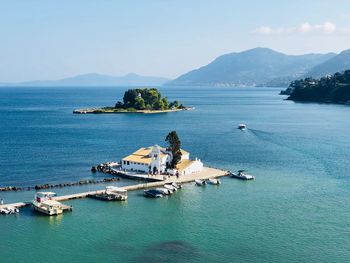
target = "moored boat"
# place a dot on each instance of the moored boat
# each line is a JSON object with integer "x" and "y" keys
{"x": 170, "y": 187}
{"x": 214, "y": 181}
{"x": 164, "y": 191}
{"x": 177, "y": 185}
{"x": 199, "y": 182}
{"x": 112, "y": 193}
{"x": 152, "y": 193}
{"x": 6, "y": 210}
{"x": 241, "y": 175}
{"x": 45, "y": 204}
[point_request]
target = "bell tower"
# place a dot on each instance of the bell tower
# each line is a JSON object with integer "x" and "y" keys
{"x": 156, "y": 160}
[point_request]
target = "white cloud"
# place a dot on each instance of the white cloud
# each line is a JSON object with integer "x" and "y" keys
{"x": 265, "y": 30}
{"x": 305, "y": 28}
{"x": 327, "y": 27}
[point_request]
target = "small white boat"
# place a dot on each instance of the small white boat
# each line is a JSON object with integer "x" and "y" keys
{"x": 241, "y": 175}
{"x": 164, "y": 191}
{"x": 4, "y": 211}
{"x": 12, "y": 209}
{"x": 9, "y": 209}
{"x": 242, "y": 126}
{"x": 170, "y": 187}
{"x": 199, "y": 182}
{"x": 177, "y": 185}
{"x": 214, "y": 181}
{"x": 44, "y": 203}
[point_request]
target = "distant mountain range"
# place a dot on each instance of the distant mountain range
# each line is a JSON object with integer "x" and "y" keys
{"x": 90, "y": 80}
{"x": 263, "y": 67}
{"x": 253, "y": 67}
{"x": 335, "y": 64}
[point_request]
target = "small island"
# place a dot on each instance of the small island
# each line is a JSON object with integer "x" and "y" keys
{"x": 139, "y": 101}
{"x": 329, "y": 89}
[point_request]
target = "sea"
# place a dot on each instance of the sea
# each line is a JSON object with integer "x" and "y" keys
{"x": 296, "y": 210}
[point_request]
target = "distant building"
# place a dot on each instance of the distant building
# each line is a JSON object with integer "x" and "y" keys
{"x": 155, "y": 160}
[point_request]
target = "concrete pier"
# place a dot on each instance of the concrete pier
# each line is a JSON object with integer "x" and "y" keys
{"x": 206, "y": 173}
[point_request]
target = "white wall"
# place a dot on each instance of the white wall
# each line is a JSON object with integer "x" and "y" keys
{"x": 194, "y": 167}
{"x": 136, "y": 167}
{"x": 185, "y": 156}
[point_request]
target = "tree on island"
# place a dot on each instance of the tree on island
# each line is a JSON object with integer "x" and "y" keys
{"x": 174, "y": 147}
{"x": 146, "y": 99}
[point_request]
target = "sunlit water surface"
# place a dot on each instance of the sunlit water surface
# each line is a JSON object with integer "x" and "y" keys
{"x": 297, "y": 209}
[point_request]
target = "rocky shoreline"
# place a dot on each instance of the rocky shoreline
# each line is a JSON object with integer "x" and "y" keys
{"x": 115, "y": 110}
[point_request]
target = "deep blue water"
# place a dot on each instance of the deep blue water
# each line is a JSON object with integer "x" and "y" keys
{"x": 297, "y": 209}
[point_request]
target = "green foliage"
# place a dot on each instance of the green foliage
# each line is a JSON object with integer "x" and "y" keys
{"x": 175, "y": 147}
{"x": 139, "y": 103}
{"x": 174, "y": 104}
{"x": 119, "y": 105}
{"x": 158, "y": 105}
{"x": 149, "y": 99}
{"x": 333, "y": 89}
{"x": 151, "y": 96}
{"x": 129, "y": 98}
{"x": 165, "y": 103}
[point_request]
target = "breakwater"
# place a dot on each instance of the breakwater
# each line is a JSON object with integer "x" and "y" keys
{"x": 49, "y": 186}
{"x": 106, "y": 168}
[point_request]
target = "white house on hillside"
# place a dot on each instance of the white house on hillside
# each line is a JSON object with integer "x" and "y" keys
{"x": 155, "y": 159}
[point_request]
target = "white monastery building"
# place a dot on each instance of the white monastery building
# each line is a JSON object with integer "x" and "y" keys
{"x": 155, "y": 160}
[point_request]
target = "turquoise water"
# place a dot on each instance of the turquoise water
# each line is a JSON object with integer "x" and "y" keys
{"x": 297, "y": 209}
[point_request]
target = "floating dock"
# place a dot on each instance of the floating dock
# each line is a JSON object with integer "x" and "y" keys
{"x": 206, "y": 173}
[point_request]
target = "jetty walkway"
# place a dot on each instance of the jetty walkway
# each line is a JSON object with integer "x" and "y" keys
{"x": 206, "y": 173}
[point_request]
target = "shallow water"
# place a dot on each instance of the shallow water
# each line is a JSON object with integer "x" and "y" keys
{"x": 297, "y": 209}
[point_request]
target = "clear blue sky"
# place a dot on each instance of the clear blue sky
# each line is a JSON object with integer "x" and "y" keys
{"x": 56, "y": 39}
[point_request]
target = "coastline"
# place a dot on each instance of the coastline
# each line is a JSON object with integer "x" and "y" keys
{"x": 114, "y": 110}
{"x": 346, "y": 103}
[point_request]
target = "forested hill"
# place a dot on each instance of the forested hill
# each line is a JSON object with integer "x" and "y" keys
{"x": 329, "y": 89}
{"x": 335, "y": 64}
{"x": 258, "y": 66}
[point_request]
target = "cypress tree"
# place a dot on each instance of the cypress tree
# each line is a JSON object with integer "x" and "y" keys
{"x": 175, "y": 147}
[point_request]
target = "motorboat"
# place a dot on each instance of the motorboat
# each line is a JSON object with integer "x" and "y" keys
{"x": 214, "y": 181}
{"x": 152, "y": 193}
{"x": 112, "y": 193}
{"x": 44, "y": 203}
{"x": 199, "y": 182}
{"x": 164, "y": 191}
{"x": 241, "y": 175}
{"x": 177, "y": 185}
{"x": 12, "y": 209}
{"x": 170, "y": 187}
{"x": 4, "y": 211}
{"x": 242, "y": 126}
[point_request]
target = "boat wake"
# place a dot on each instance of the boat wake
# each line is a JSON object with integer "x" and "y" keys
{"x": 300, "y": 145}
